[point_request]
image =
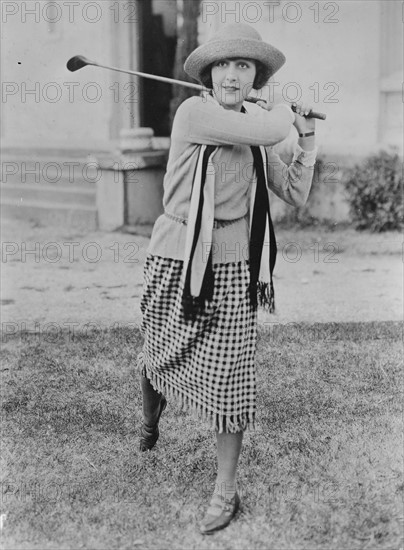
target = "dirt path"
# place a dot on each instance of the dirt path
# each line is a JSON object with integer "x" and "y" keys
{"x": 56, "y": 276}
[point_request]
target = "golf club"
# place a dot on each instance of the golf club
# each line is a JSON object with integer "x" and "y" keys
{"x": 79, "y": 61}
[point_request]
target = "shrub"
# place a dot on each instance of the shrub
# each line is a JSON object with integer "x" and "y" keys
{"x": 375, "y": 188}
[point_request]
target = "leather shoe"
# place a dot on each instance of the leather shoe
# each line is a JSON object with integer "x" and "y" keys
{"x": 227, "y": 509}
{"x": 150, "y": 434}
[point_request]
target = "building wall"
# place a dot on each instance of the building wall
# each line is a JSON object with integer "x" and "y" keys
{"x": 333, "y": 52}
{"x": 83, "y": 109}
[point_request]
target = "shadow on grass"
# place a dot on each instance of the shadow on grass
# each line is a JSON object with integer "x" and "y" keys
{"x": 322, "y": 470}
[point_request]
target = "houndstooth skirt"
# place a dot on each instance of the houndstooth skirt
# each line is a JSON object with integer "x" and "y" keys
{"x": 207, "y": 365}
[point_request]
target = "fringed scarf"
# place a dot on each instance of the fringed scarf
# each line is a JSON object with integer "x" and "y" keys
{"x": 198, "y": 270}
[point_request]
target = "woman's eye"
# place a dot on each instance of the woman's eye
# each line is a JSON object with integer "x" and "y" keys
{"x": 243, "y": 65}
{"x": 221, "y": 64}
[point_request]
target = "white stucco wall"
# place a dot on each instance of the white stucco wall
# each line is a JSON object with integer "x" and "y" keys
{"x": 68, "y": 110}
{"x": 332, "y": 51}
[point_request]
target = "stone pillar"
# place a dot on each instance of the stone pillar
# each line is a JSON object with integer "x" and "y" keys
{"x": 130, "y": 187}
{"x": 130, "y": 184}
{"x": 390, "y": 130}
{"x": 110, "y": 194}
{"x": 126, "y": 37}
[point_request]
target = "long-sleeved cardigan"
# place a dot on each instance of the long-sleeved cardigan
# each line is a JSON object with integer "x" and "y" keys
{"x": 203, "y": 121}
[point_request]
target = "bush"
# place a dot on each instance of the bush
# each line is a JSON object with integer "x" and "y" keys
{"x": 375, "y": 192}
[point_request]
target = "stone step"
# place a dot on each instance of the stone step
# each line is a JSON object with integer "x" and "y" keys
{"x": 25, "y": 192}
{"x": 51, "y": 213}
{"x": 49, "y": 186}
{"x": 83, "y": 176}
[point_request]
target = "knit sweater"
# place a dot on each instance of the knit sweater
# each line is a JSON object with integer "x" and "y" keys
{"x": 203, "y": 121}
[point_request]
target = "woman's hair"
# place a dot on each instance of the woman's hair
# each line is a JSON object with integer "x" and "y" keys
{"x": 260, "y": 79}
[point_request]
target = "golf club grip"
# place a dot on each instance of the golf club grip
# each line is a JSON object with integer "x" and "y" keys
{"x": 312, "y": 114}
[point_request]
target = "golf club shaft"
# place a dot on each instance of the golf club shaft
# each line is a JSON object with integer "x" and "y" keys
{"x": 312, "y": 114}
{"x": 152, "y": 76}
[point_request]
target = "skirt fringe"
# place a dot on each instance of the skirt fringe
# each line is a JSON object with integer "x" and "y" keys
{"x": 220, "y": 422}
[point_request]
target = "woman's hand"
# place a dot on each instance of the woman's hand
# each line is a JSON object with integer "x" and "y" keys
{"x": 303, "y": 124}
{"x": 264, "y": 105}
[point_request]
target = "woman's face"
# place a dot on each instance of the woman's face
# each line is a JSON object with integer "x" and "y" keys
{"x": 232, "y": 81}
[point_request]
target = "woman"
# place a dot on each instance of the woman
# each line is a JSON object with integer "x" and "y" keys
{"x": 209, "y": 264}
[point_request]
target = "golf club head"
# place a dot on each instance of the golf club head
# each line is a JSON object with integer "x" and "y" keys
{"x": 78, "y": 62}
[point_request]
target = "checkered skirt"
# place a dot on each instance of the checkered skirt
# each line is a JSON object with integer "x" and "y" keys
{"x": 207, "y": 365}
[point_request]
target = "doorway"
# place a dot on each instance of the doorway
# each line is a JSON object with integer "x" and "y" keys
{"x": 159, "y": 38}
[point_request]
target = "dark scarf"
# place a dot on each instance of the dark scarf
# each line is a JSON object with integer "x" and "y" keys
{"x": 200, "y": 220}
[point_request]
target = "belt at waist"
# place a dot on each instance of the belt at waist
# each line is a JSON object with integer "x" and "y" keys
{"x": 216, "y": 223}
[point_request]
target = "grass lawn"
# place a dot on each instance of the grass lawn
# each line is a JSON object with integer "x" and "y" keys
{"x": 323, "y": 469}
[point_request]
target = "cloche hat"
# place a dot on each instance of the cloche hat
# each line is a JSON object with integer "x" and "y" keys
{"x": 230, "y": 41}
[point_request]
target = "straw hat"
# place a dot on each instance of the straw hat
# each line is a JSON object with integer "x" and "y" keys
{"x": 231, "y": 41}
